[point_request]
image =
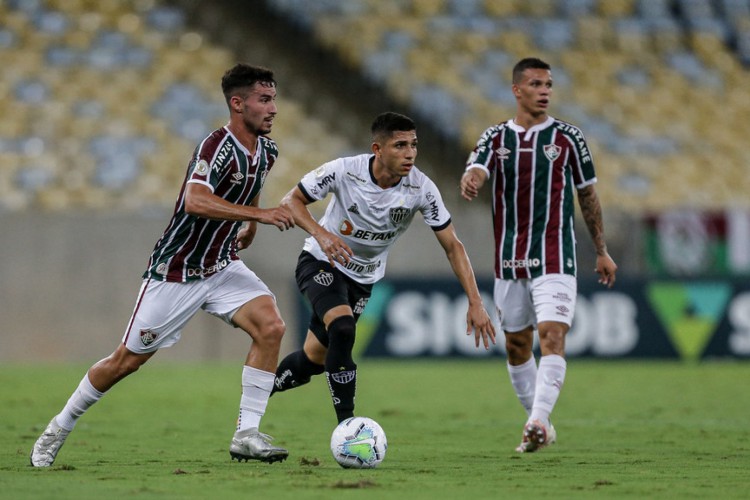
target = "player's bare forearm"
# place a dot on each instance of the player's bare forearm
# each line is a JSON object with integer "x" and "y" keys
{"x": 591, "y": 211}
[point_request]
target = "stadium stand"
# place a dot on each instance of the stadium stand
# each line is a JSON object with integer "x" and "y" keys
{"x": 102, "y": 105}
{"x": 655, "y": 84}
{"x": 105, "y": 103}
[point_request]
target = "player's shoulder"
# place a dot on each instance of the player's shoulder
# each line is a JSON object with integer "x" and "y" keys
{"x": 567, "y": 127}
{"x": 494, "y": 130}
{"x": 269, "y": 145}
{"x": 214, "y": 140}
{"x": 417, "y": 181}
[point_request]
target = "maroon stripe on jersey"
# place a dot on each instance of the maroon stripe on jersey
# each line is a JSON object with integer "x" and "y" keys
{"x": 553, "y": 235}
{"x": 135, "y": 311}
{"x": 498, "y": 202}
{"x": 524, "y": 198}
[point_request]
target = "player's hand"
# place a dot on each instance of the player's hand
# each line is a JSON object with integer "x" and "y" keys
{"x": 606, "y": 269}
{"x": 280, "y": 217}
{"x": 335, "y": 248}
{"x": 469, "y": 186}
{"x": 245, "y": 236}
{"x": 480, "y": 323}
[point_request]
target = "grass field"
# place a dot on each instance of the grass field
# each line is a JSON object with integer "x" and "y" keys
{"x": 625, "y": 430}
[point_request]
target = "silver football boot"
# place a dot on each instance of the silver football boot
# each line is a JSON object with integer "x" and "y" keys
{"x": 253, "y": 445}
{"x": 49, "y": 443}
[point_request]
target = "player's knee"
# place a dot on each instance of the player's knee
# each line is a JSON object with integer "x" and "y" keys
{"x": 341, "y": 331}
{"x": 271, "y": 332}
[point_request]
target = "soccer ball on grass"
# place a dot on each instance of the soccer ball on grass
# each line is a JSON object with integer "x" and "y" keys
{"x": 358, "y": 443}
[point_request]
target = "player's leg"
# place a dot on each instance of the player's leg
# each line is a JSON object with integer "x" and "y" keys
{"x": 240, "y": 298}
{"x": 340, "y": 368}
{"x": 161, "y": 310}
{"x": 516, "y": 315}
{"x": 554, "y": 299}
{"x": 298, "y": 367}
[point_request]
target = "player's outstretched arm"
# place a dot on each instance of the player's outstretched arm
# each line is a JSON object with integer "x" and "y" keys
{"x": 477, "y": 319}
{"x": 201, "y": 202}
{"x": 334, "y": 247}
{"x": 591, "y": 211}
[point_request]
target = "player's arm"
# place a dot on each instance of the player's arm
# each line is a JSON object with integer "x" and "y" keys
{"x": 471, "y": 182}
{"x": 201, "y": 202}
{"x": 477, "y": 319}
{"x": 591, "y": 211}
{"x": 246, "y": 234}
{"x": 334, "y": 247}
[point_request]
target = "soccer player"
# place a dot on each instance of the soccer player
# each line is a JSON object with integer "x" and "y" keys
{"x": 375, "y": 197}
{"x": 537, "y": 161}
{"x": 194, "y": 265}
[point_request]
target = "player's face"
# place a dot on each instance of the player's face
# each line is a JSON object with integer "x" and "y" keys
{"x": 397, "y": 154}
{"x": 259, "y": 109}
{"x": 534, "y": 91}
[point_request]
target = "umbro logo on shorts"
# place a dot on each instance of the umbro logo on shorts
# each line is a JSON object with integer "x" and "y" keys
{"x": 323, "y": 278}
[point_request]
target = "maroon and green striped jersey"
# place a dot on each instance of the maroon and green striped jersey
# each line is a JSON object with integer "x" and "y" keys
{"x": 194, "y": 248}
{"x": 534, "y": 173}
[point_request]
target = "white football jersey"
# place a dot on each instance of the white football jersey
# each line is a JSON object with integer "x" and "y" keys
{"x": 367, "y": 217}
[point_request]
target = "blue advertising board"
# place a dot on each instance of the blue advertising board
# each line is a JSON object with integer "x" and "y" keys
{"x": 677, "y": 319}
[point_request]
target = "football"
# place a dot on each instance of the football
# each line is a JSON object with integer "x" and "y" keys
{"x": 358, "y": 443}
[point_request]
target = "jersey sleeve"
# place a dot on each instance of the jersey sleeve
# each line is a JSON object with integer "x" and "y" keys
{"x": 581, "y": 162}
{"x": 482, "y": 154}
{"x": 433, "y": 209}
{"x": 210, "y": 162}
{"x": 316, "y": 184}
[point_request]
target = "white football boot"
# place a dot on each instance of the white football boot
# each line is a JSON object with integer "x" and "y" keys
{"x": 536, "y": 436}
{"x": 49, "y": 443}
{"x": 253, "y": 445}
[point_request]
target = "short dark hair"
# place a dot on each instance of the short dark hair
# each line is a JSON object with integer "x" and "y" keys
{"x": 528, "y": 63}
{"x": 386, "y": 123}
{"x": 243, "y": 76}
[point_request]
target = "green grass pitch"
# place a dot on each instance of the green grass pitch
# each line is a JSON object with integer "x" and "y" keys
{"x": 625, "y": 430}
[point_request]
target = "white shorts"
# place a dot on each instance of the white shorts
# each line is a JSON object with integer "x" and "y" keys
{"x": 525, "y": 302}
{"x": 164, "y": 308}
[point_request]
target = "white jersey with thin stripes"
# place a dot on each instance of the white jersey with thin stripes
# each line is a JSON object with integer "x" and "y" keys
{"x": 367, "y": 217}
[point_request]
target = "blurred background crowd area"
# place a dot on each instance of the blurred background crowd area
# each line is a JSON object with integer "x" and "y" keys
{"x": 102, "y": 101}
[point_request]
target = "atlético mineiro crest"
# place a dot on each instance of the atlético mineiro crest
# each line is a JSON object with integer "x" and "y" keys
{"x": 323, "y": 278}
{"x": 398, "y": 214}
{"x": 552, "y": 151}
{"x": 148, "y": 337}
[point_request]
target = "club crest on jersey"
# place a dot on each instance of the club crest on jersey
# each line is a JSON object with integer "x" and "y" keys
{"x": 323, "y": 278}
{"x": 148, "y": 337}
{"x": 552, "y": 151}
{"x": 502, "y": 153}
{"x": 398, "y": 214}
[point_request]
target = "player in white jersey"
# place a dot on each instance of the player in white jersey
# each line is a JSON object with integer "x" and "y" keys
{"x": 375, "y": 198}
{"x": 195, "y": 266}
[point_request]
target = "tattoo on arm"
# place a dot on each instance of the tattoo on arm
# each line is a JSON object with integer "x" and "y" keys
{"x": 592, "y": 215}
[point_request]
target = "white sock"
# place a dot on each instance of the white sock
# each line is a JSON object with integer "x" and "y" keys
{"x": 80, "y": 401}
{"x": 256, "y": 389}
{"x": 549, "y": 382}
{"x": 523, "y": 380}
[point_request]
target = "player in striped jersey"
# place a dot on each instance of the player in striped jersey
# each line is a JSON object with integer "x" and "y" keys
{"x": 537, "y": 164}
{"x": 195, "y": 266}
{"x": 375, "y": 197}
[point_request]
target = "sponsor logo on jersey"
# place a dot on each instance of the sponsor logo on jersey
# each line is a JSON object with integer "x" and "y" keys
{"x": 503, "y": 153}
{"x": 433, "y": 212}
{"x": 162, "y": 268}
{"x": 398, "y": 214}
{"x": 344, "y": 377}
{"x": 521, "y": 263}
{"x": 359, "y": 307}
{"x": 552, "y": 151}
{"x": 354, "y": 209}
{"x": 356, "y": 178}
{"x": 222, "y": 156}
{"x": 411, "y": 186}
{"x": 205, "y": 271}
{"x": 328, "y": 179}
{"x": 362, "y": 269}
{"x": 346, "y": 227}
{"x": 362, "y": 234}
{"x": 148, "y": 337}
{"x": 201, "y": 168}
{"x": 320, "y": 171}
{"x": 323, "y": 278}
{"x": 237, "y": 178}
